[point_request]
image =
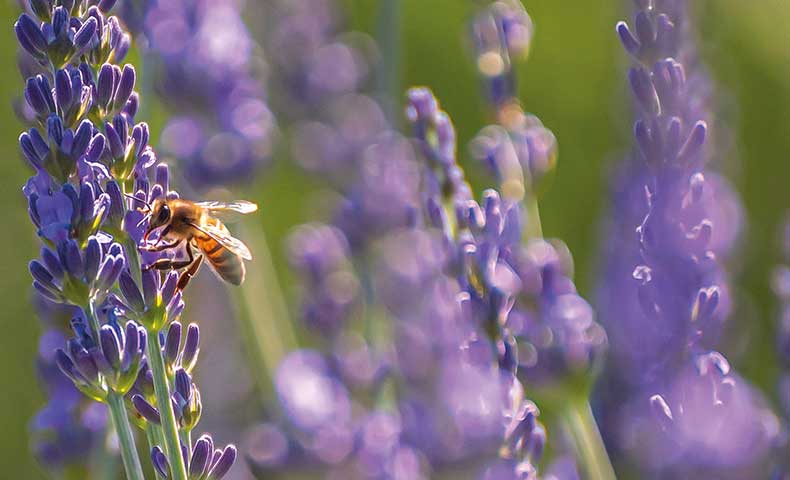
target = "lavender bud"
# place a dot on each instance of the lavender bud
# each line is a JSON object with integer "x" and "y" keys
{"x": 85, "y": 34}
{"x": 627, "y": 38}
{"x": 222, "y": 465}
{"x": 26, "y": 144}
{"x": 183, "y": 384}
{"x": 146, "y": 410}
{"x": 38, "y": 96}
{"x": 132, "y": 105}
{"x": 693, "y": 143}
{"x": 60, "y": 20}
{"x": 82, "y": 138}
{"x": 41, "y": 275}
{"x": 200, "y": 457}
{"x": 105, "y": 85}
{"x": 93, "y": 258}
{"x": 644, "y": 29}
{"x": 110, "y": 346}
{"x": 117, "y": 206}
{"x": 114, "y": 139}
{"x": 125, "y": 87}
{"x": 30, "y": 35}
{"x": 150, "y": 286}
{"x": 132, "y": 345}
{"x": 173, "y": 344}
{"x": 52, "y": 263}
{"x": 191, "y": 347}
{"x": 130, "y": 292}
{"x": 109, "y": 272}
{"x": 644, "y": 91}
{"x": 72, "y": 259}
{"x": 159, "y": 460}
{"x": 55, "y": 129}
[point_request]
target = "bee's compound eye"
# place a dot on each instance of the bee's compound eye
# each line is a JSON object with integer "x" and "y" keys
{"x": 164, "y": 214}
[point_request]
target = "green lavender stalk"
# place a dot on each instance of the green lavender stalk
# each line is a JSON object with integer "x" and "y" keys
{"x": 162, "y": 390}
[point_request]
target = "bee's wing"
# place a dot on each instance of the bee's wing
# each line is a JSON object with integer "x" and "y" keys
{"x": 224, "y": 238}
{"x": 228, "y": 211}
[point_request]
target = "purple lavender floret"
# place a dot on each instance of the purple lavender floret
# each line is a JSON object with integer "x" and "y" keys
{"x": 666, "y": 294}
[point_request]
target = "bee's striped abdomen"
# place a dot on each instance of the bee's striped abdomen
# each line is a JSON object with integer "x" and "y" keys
{"x": 227, "y": 264}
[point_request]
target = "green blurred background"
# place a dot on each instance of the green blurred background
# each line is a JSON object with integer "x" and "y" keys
{"x": 573, "y": 81}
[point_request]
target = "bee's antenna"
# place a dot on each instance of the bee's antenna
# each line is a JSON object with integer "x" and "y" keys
{"x": 148, "y": 205}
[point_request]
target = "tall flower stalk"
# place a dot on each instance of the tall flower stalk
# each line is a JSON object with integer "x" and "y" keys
{"x": 665, "y": 295}
{"x": 93, "y": 172}
{"x": 521, "y": 152}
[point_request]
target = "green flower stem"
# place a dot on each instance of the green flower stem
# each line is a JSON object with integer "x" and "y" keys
{"x": 262, "y": 313}
{"x": 186, "y": 440}
{"x": 93, "y": 319}
{"x": 120, "y": 421}
{"x": 532, "y": 227}
{"x": 580, "y": 423}
{"x": 162, "y": 390}
{"x": 151, "y": 435}
{"x": 387, "y": 72}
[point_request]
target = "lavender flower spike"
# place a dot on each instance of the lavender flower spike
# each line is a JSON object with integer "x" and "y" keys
{"x": 665, "y": 293}
{"x": 90, "y": 157}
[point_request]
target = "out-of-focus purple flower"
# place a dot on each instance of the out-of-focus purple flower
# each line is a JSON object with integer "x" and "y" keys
{"x": 384, "y": 196}
{"x": 313, "y": 60}
{"x": 518, "y": 150}
{"x": 708, "y": 419}
{"x": 223, "y": 129}
{"x": 321, "y": 254}
{"x": 501, "y": 33}
{"x": 308, "y": 392}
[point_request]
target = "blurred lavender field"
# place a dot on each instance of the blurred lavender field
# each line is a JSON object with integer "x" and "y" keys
{"x": 497, "y": 239}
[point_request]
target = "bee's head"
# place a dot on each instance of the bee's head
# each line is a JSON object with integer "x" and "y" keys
{"x": 160, "y": 215}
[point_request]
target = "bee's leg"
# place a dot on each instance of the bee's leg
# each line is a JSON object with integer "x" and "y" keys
{"x": 190, "y": 272}
{"x": 159, "y": 248}
{"x": 170, "y": 264}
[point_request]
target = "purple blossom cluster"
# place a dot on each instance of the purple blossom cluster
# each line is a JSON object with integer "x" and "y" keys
{"x": 220, "y": 127}
{"x": 105, "y": 310}
{"x": 665, "y": 294}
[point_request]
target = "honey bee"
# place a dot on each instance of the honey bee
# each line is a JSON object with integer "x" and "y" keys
{"x": 196, "y": 227}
